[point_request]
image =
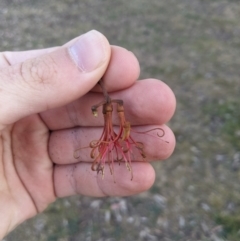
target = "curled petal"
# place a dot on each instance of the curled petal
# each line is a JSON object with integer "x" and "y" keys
{"x": 162, "y": 134}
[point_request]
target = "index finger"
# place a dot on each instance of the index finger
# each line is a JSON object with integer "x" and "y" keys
{"x": 146, "y": 102}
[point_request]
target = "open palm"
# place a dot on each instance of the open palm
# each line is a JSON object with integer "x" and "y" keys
{"x": 46, "y": 100}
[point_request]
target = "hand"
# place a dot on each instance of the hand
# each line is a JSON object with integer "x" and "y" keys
{"x": 45, "y": 105}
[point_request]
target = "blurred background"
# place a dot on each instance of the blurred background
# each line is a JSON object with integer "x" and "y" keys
{"x": 192, "y": 45}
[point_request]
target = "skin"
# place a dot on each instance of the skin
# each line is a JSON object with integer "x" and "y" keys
{"x": 46, "y": 116}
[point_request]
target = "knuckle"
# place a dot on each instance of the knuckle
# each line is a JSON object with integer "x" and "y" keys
{"x": 39, "y": 71}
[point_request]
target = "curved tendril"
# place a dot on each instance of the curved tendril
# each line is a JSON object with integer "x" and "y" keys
{"x": 163, "y": 132}
{"x": 98, "y": 143}
{"x": 146, "y": 132}
{"x": 76, "y": 154}
{"x": 92, "y": 154}
{"x": 94, "y": 143}
{"x": 94, "y": 165}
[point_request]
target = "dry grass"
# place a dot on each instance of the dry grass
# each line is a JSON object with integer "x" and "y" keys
{"x": 193, "y": 45}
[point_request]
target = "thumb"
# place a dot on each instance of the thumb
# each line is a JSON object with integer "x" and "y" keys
{"x": 53, "y": 79}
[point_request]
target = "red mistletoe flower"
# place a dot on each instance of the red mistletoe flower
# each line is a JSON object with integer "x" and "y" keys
{"x": 114, "y": 145}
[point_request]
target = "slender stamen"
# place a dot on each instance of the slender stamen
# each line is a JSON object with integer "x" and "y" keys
{"x": 115, "y": 146}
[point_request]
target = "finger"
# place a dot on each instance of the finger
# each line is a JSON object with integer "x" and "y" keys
{"x": 146, "y": 102}
{"x": 123, "y": 69}
{"x": 80, "y": 179}
{"x": 54, "y": 79}
{"x": 64, "y": 146}
{"x": 122, "y": 72}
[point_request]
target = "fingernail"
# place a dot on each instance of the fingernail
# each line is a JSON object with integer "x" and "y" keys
{"x": 88, "y": 52}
